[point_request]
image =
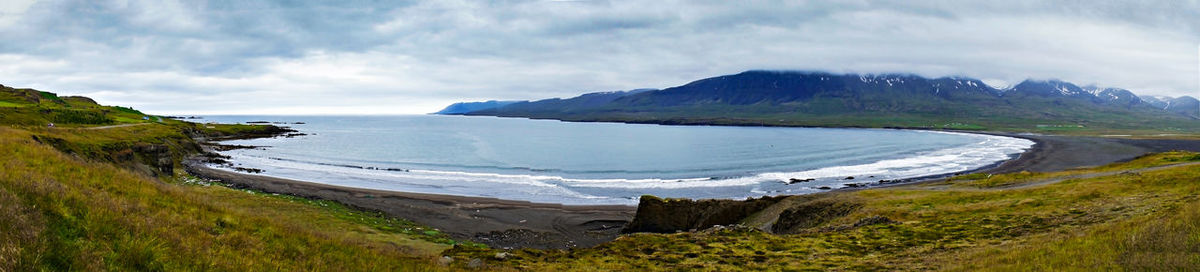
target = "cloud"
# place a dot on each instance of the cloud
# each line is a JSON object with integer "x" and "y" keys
{"x": 366, "y": 57}
{"x": 11, "y": 11}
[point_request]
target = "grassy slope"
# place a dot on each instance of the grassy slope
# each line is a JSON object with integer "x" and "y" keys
{"x": 1134, "y": 221}
{"x": 79, "y": 197}
{"x": 63, "y": 212}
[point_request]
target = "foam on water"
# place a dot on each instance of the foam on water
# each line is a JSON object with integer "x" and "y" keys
{"x": 553, "y": 186}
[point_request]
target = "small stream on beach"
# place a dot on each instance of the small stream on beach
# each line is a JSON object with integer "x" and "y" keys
{"x": 601, "y": 163}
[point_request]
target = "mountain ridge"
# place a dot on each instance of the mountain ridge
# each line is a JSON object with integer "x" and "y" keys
{"x": 807, "y": 98}
{"x": 466, "y": 107}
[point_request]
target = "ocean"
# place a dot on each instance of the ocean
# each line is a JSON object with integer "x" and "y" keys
{"x": 601, "y": 163}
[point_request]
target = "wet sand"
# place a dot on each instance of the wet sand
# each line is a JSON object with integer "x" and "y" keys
{"x": 519, "y": 224}
{"x": 495, "y": 222}
{"x": 1057, "y": 153}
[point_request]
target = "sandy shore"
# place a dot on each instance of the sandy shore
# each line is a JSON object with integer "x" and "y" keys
{"x": 1057, "y": 153}
{"x": 495, "y": 222}
{"x": 518, "y": 224}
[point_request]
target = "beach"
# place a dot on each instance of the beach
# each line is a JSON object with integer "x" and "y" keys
{"x": 1057, "y": 153}
{"x": 519, "y": 224}
{"x": 495, "y": 222}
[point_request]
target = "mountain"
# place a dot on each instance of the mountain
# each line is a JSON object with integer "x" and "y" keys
{"x": 796, "y": 98}
{"x": 585, "y": 102}
{"x": 465, "y": 107}
{"x": 1051, "y": 89}
{"x": 769, "y": 87}
{"x": 1117, "y": 96}
{"x": 1185, "y": 105}
{"x": 1159, "y": 102}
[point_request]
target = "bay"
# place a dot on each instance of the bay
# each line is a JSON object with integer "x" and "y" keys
{"x": 601, "y": 163}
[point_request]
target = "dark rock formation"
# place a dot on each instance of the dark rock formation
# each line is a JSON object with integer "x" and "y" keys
{"x": 670, "y": 215}
{"x": 796, "y": 180}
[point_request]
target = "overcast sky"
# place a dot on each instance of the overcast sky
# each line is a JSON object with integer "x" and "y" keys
{"x": 359, "y": 57}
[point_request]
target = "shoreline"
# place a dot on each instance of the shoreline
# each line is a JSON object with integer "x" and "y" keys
{"x": 496, "y": 222}
{"x": 1004, "y": 166}
{"x": 996, "y": 167}
{"x": 834, "y": 181}
{"x": 504, "y": 223}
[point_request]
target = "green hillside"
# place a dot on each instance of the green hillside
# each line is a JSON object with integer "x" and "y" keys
{"x": 90, "y": 196}
{"x": 33, "y": 107}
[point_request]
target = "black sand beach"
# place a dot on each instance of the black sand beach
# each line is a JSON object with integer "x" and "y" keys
{"x": 1057, "y": 153}
{"x": 518, "y": 224}
{"x": 495, "y": 222}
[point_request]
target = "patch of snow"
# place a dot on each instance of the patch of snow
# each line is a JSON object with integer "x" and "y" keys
{"x": 997, "y": 84}
{"x": 1066, "y": 90}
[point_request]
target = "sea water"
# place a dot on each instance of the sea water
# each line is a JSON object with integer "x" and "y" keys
{"x": 601, "y": 163}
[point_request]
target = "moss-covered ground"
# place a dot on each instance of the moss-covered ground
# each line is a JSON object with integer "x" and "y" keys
{"x": 1128, "y": 216}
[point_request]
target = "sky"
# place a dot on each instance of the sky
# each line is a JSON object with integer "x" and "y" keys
{"x": 393, "y": 57}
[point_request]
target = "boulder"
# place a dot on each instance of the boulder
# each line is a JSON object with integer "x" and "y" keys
{"x": 796, "y": 180}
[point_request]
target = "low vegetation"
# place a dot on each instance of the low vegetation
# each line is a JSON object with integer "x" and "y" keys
{"x": 90, "y": 195}
{"x": 103, "y": 190}
{"x": 1128, "y": 216}
{"x": 67, "y": 213}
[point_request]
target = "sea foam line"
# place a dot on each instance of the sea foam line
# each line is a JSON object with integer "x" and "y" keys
{"x": 988, "y": 150}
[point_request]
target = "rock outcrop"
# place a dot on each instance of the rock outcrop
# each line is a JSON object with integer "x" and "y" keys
{"x": 670, "y": 215}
